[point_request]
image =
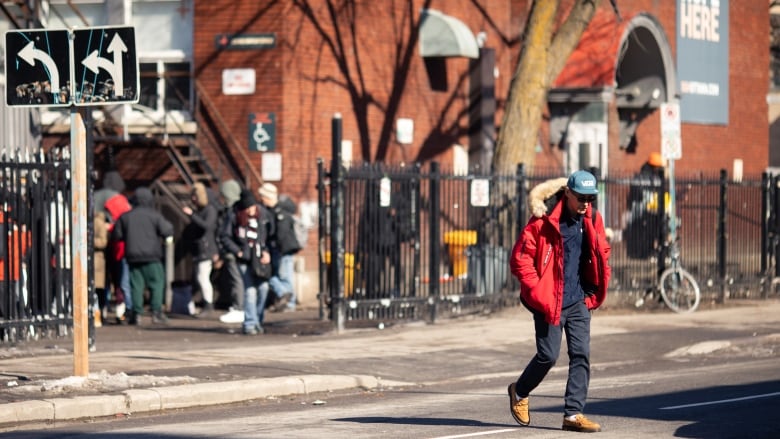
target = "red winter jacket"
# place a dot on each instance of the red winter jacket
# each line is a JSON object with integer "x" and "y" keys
{"x": 537, "y": 257}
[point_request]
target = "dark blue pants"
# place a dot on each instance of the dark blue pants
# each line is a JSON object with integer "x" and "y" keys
{"x": 575, "y": 321}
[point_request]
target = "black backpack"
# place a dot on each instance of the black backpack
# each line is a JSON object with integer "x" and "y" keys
{"x": 286, "y": 236}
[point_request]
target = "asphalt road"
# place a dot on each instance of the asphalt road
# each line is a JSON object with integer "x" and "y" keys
{"x": 664, "y": 378}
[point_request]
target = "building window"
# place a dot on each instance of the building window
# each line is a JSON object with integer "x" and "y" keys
{"x": 165, "y": 86}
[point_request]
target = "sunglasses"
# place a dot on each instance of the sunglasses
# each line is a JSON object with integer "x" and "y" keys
{"x": 583, "y": 198}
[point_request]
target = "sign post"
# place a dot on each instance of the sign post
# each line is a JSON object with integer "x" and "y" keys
{"x": 62, "y": 68}
{"x": 671, "y": 150}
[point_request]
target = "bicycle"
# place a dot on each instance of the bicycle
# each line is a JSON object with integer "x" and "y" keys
{"x": 676, "y": 286}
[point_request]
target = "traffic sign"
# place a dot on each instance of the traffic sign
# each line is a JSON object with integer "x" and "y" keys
{"x": 106, "y": 66}
{"x": 671, "y": 142}
{"x": 37, "y": 68}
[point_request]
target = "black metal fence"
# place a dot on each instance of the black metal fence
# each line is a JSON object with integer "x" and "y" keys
{"x": 35, "y": 247}
{"x": 419, "y": 243}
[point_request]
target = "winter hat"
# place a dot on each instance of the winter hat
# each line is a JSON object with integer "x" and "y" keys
{"x": 656, "y": 160}
{"x": 582, "y": 182}
{"x": 269, "y": 194}
{"x": 113, "y": 180}
{"x": 230, "y": 191}
{"x": 246, "y": 200}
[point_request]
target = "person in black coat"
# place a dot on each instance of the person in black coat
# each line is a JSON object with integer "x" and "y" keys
{"x": 142, "y": 229}
{"x": 203, "y": 222}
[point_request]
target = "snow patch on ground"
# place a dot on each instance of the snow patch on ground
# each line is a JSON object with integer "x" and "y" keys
{"x": 702, "y": 348}
{"x": 100, "y": 382}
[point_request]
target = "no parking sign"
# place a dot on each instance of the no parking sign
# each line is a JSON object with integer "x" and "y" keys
{"x": 671, "y": 144}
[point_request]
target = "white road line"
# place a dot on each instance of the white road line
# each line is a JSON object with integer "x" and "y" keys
{"x": 723, "y": 401}
{"x": 481, "y": 433}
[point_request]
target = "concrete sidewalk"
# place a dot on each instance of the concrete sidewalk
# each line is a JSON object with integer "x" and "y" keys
{"x": 195, "y": 362}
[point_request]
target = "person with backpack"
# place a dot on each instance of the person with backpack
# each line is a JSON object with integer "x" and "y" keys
{"x": 283, "y": 244}
{"x": 561, "y": 260}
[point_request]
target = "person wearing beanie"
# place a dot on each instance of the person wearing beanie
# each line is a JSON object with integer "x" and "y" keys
{"x": 230, "y": 191}
{"x": 230, "y": 281}
{"x": 244, "y": 234}
{"x": 203, "y": 221}
{"x": 645, "y": 222}
{"x": 283, "y": 245}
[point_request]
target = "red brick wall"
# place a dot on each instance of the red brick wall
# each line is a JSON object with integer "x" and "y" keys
{"x": 300, "y": 81}
{"x": 710, "y": 147}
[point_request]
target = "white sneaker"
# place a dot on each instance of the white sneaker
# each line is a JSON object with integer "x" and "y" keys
{"x": 232, "y": 316}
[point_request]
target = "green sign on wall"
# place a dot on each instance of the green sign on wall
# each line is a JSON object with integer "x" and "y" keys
{"x": 262, "y": 132}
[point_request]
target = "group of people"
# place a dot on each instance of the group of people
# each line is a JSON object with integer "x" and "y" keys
{"x": 243, "y": 246}
{"x": 128, "y": 251}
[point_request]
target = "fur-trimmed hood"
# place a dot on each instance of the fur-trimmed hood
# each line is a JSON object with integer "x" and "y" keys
{"x": 542, "y": 192}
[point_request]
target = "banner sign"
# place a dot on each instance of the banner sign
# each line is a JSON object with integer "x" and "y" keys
{"x": 703, "y": 60}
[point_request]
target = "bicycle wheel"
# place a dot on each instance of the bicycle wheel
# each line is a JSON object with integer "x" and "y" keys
{"x": 679, "y": 290}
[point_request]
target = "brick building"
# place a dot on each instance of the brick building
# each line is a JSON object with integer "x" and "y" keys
{"x": 371, "y": 72}
{"x": 248, "y": 89}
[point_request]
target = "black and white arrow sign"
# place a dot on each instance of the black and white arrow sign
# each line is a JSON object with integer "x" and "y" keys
{"x": 106, "y": 70}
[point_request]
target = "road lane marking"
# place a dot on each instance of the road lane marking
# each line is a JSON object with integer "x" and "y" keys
{"x": 722, "y": 401}
{"x": 481, "y": 433}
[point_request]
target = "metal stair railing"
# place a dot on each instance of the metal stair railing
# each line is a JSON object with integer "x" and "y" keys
{"x": 232, "y": 145}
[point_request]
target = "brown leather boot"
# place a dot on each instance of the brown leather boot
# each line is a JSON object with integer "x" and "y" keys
{"x": 518, "y": 407}
{"x": 581, "y": 424}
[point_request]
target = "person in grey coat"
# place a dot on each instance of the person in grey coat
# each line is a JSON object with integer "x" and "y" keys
{"x": 143, "y": 229}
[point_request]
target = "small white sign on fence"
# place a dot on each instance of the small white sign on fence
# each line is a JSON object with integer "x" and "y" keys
{"x": 480, "y": 193}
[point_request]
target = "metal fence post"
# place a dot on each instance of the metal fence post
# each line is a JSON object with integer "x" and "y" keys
{"x": 434, "y": 240}
{"x": 521, "y": 198}
{"x": 337, "y": 227}
{"x": 321, "y": 236}
{"x": 765, "y": 216}
{"x": 722, "y": 237}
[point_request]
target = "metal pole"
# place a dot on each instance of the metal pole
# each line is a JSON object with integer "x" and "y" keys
{"x": 765, "y": 215}
{"x": 722, "y": 237}
{"x": 672, "y": 205}
{"x": 337, "y": 228}
{"x": 434, "y": 241}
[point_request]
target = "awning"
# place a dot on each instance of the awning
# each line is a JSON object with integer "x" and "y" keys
{"x": 443, "y": 36}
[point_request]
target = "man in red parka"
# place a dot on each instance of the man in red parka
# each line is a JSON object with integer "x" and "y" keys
{"x": 561, "y": 261}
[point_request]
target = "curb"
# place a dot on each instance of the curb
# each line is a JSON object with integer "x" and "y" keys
{"x": 177, "y": 397}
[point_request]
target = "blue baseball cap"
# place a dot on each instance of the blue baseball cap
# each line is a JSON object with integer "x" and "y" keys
{"x": 582, "y": 182}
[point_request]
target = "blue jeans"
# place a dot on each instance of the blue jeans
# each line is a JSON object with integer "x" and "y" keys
{"x": 124, "y": 283}
{"x": 255, "y": 295}
{"x": 575, "y": 321}
{"x": 282, "y": 281}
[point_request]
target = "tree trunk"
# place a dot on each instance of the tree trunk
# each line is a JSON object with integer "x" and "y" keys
{"x": 541, "y": 60}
